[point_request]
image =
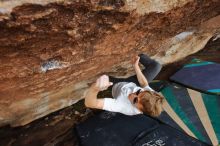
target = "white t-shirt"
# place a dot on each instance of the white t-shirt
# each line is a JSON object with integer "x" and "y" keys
{"x": 120, "y": 102}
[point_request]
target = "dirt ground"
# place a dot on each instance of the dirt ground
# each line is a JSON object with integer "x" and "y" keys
{"x": 56, "y": 129}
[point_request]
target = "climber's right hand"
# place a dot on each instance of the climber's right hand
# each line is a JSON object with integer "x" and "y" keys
{"x": 102, "y": 83}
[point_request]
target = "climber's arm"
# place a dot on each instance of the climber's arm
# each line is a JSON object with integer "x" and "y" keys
{"x": 91, "y": 100}
{"x": 140, "y": 76}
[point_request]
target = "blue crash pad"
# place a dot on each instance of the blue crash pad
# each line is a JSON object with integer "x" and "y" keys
{"x": 200, "y": 75}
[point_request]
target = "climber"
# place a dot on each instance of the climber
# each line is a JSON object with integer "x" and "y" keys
{"x": 128, "y": 97}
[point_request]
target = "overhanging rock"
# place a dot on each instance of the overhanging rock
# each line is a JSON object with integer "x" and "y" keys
{"x": 49, "y": 54}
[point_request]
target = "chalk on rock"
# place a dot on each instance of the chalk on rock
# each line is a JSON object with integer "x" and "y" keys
{"x": 53, "y": 64}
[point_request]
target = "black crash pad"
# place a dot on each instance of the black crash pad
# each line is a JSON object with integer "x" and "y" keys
{"x": 165, "y": 135}
{"x": 115, "y": 129}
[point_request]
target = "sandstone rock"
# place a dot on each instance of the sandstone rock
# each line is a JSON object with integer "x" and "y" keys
{"x": 141, "y": 6}
{"x": 187, "y": 43}
{"x": 49, "y": 54}
{"x": 147, "y": 6}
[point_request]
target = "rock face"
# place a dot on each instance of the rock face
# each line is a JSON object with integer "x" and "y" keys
{"x": 49, "y": 54}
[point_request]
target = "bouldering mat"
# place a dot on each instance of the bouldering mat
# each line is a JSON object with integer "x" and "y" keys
{"x": 108, "y": 128}
{"x": 196, "y": 113}
{"x": 167, "y": 136}
{"x": 200, "y": 75}
{"x": 115, "y": 129}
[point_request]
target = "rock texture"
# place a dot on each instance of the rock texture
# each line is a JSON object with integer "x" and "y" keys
{"x": 49, "y": 54}
{"x": 141, "y": 6}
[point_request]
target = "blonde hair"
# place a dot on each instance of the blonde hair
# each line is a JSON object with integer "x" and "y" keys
{"x": 152, "y": 103}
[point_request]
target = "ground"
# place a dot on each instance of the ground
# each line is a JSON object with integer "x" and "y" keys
{"x": 57, "y": 128}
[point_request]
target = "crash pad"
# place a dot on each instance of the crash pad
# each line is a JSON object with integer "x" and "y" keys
{"x": 115, "y": 129}
{"x": 109, "y": 128}
{"x": 195, "y": 112}
{"x": 200, "y": 75}
{"x": 167, "y": 136}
